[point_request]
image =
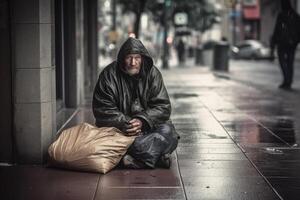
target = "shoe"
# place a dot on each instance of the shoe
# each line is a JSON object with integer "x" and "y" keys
{"x": 284, "y": 86}
{"x": 130, "y": 163}
{"x": 164, "y": 161}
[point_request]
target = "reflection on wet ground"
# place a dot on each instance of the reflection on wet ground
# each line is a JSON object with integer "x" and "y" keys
{"x": 260, "y": 137}
{"x": 237, "y": 142}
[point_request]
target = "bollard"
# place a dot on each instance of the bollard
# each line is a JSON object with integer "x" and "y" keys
{"x": 221, "y": 56}
{"x": 198, "y": 56}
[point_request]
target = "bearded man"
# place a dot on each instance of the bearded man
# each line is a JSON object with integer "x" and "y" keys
{"x": 130, "y": 95}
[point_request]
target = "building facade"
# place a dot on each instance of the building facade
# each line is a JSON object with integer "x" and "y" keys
{"x": 49, "y": 62}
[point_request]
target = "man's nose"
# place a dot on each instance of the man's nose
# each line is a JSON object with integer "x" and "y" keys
{"x": 133, "y": 61}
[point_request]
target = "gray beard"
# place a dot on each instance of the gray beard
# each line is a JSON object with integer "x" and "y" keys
{"x": 132, "y": 72}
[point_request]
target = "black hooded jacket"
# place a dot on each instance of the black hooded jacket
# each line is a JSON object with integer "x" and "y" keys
{"x": 119, "y": 97}
{"x": 287, "y": 31}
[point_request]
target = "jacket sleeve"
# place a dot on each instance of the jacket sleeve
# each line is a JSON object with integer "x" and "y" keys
{"x": 105, "y": 107}
{"x": 274, "y": 38}
{"x": 158, "y": 105}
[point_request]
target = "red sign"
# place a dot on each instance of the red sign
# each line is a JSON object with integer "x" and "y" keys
{"x": 251, "y": 9}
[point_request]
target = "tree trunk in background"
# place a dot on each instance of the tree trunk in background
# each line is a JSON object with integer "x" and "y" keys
{"x": 137, "y": 24}
{"x": 138, "y": 14}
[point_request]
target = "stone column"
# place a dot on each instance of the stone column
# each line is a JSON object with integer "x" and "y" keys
{"x": 34, "y": 78}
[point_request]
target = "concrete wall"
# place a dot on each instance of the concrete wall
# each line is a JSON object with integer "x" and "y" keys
{"x": 29, "y": 73}
{"x": 34, "y": 78}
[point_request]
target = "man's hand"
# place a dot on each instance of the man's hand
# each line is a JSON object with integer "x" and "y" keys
{"x": 134, "y": 127}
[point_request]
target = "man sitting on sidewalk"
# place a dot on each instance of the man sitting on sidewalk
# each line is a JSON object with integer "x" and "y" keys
{"x": 130, "y": 95}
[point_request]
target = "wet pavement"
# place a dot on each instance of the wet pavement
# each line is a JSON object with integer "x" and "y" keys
{"x": 239, "y": 140}
{"x": 236, "y": 139}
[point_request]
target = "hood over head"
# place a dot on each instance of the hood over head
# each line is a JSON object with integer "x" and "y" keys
{"x": 286, "y": 5}
{"x": 134, "y": 46}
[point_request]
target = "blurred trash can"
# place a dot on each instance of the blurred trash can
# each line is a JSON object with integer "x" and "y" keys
{"x": 221, "y": 56}
{"x": 199, "y": 56}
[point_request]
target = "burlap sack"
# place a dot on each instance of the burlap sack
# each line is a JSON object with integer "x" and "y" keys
{"x": 88, "y": 148}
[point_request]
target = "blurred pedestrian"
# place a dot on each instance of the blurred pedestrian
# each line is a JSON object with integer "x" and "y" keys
{"x": 130, "y": 95}
{"x": 286, "y": 38}
{"x": 180, "y": 47}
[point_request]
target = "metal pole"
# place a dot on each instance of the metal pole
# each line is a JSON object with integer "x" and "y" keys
{"x": 165, "y": 63}
{"x": 234, "y": 22}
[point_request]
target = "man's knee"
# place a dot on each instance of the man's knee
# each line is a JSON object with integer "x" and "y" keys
{"x": 165, "y": 129}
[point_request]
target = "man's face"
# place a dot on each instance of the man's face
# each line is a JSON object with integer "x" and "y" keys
{"x": 133, "y": 64}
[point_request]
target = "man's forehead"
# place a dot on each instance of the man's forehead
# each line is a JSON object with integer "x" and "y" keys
{"x": 133, "y": 55}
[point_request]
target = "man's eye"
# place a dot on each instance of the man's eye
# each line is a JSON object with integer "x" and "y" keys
{"x": 135, "y": 58}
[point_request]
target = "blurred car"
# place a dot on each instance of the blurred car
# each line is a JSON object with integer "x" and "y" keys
{"x": 250, "y": 49}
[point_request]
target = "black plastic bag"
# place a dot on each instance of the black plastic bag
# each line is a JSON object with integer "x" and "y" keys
{"x": 150, "y": 146}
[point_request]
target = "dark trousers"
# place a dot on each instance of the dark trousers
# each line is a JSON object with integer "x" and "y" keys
{"x": 150, "y": 146}
{"x": 181, "y": 56}
{"x": 286, "y": 55}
